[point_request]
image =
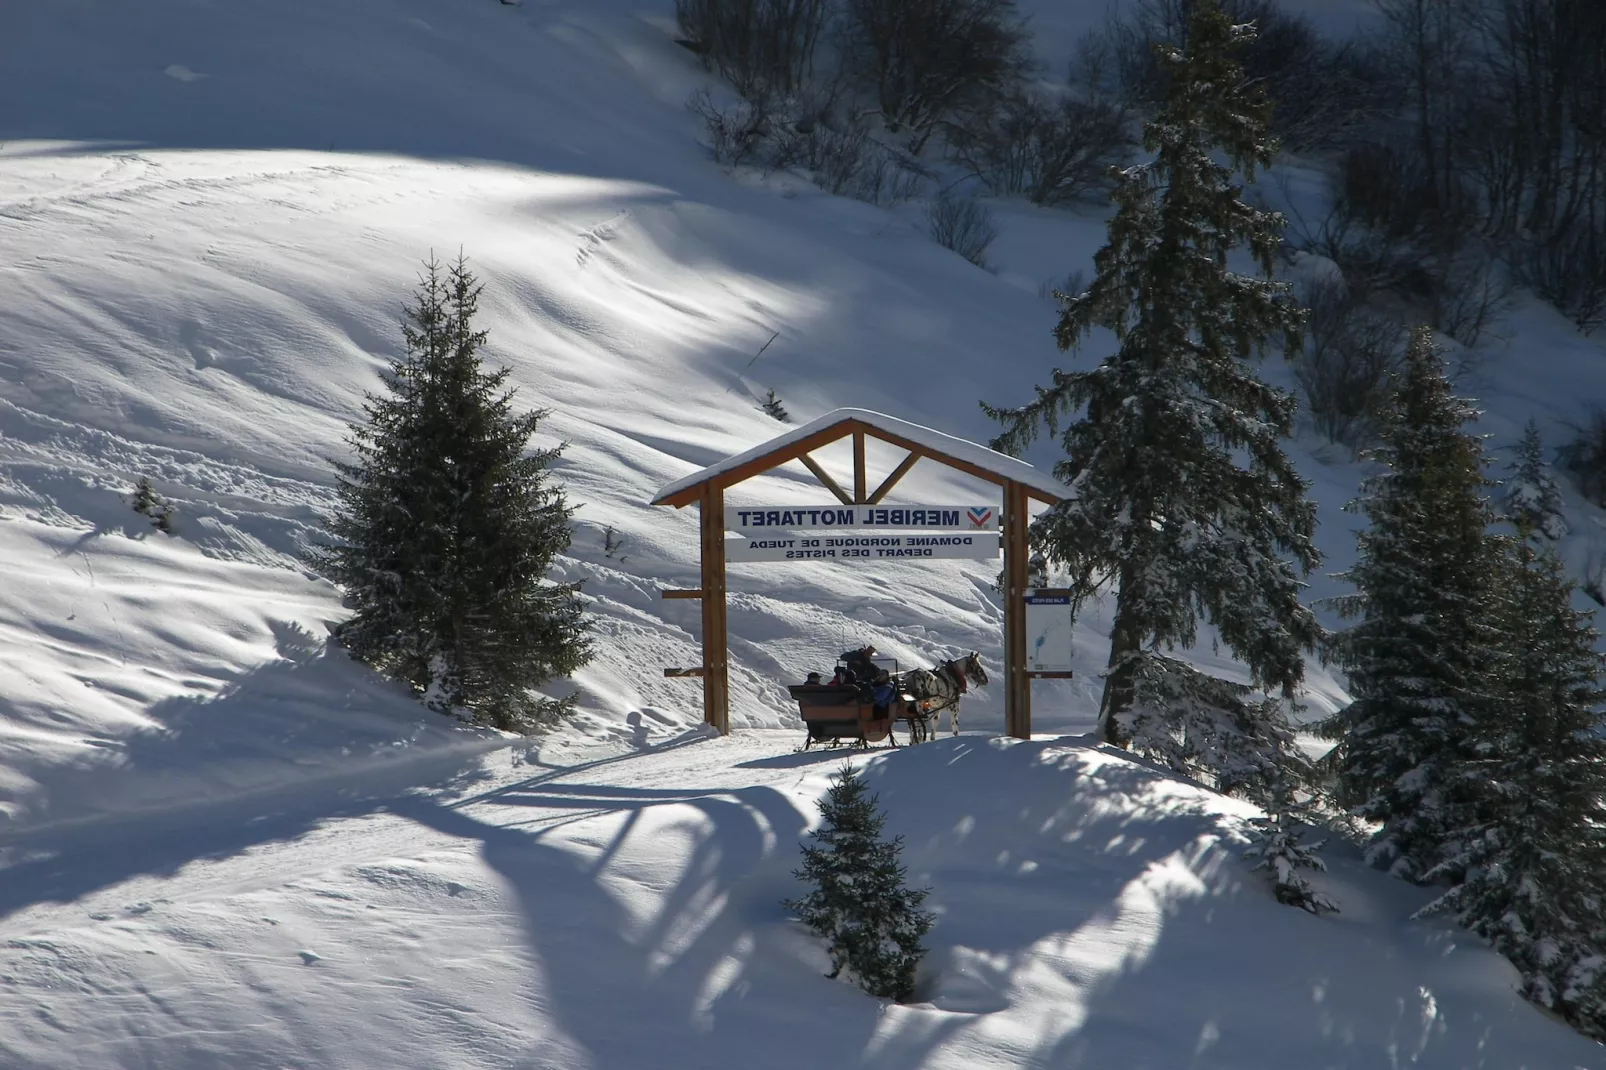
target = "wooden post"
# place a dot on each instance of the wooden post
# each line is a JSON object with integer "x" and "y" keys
{"x": 1017, "y": 685}
{"x": 860, "y": 484}
{"x": 716, "y": 666}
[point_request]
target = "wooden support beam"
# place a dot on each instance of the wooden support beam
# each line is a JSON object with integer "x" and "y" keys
{"x": 892, "y": 480}
{"x": 858, "y": 468}
{"x": 670, "y": 592}
{"x": 1044, "y": 674}
{"x": 824, "y": 477}
{"x": 676, "y": 672}
{"x": 1017, "y": 684}
{"x": 716, "y": 665}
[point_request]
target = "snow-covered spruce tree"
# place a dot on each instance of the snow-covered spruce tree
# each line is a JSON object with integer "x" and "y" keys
{"x": 446, "y": 527}
{"x": 1423, "y": 653}
{"x": 857, "y": 902}
{"x": 1529, "y": 860}
{"x": 1184, "y": 497}
{"x": 1532, "y": 496}
{"x": 1281, "y": 849}
{"x": 1212, "y": 730}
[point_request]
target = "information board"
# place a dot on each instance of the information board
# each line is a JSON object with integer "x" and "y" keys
{"x": 1048, "y": 630}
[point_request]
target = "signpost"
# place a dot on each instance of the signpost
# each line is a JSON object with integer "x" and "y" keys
{"x": 860, "y": 529}
{"x": 851, "y": 547}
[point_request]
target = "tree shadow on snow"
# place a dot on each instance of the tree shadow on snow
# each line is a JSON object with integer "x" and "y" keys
{"x": 1113, "y": 899}
{"x": 716, "y": 975}
{"x": 1093, "y": 913}
{"x": 293, "y": 744}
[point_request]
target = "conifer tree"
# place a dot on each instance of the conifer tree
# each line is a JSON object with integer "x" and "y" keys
{"x": 1422, "y": 656}
{"x": 1280, "y": 848}
{"x": 1184, "y": 500}
{"x": 446, "y": 526}
{"x": 1532, "y": 496}
{"x": 1529, "y": 860}
{"x": 1214, "y": 731}
{"x": 857, "y": 902}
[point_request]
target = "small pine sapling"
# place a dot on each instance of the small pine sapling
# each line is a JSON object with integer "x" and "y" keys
{"x": 1280, "y": 848}
{"x": 146, "y": 499}
{"x": 1532, "y": 496}
{"x": 771, "y": 406}
{"x": 857, "y": 902}
{"x": 150, "y": 504}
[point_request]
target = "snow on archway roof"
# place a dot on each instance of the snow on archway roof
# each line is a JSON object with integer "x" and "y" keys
{"x": 940, "y": 446}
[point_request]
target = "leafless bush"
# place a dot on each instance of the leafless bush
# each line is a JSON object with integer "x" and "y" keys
{"x": 759, "y": 46}
{"x": 933, "y": 61}
{"x": 846, "y": 160}
{"x": 738, "y": 134}
{"x": 1391, "y": 229}
{"x": 1584, "y": 458}
{"x": 840, "y": 155}
{"x": 1569, "y": 271}
{"x": 1349, "y": 351}
{"x": 962, "y": 224}
{"x": 1469, "y": 292}
{"x": 1052, "y": 151}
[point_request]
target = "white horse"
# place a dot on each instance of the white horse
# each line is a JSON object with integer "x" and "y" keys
{"x": 938, "y": 689}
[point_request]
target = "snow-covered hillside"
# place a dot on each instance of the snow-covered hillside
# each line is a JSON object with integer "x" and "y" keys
{"x": 210, "y": 215}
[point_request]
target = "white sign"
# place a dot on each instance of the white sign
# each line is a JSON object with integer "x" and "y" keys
{"x": 765, "y": 518}
{"x": 858, "y": 547}
{"x": 1048, "y": 631}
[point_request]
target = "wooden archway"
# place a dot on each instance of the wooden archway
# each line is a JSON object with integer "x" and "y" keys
{"x": 1019, "y": 481}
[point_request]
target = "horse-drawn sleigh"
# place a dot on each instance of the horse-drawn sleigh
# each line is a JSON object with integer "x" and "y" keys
{"x": 865, "y": 698}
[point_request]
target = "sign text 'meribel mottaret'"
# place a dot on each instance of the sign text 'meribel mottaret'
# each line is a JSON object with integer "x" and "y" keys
{"x": 765, "y": 518}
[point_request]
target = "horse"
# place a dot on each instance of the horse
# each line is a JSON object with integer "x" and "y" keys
{"x": 938, "y": 689}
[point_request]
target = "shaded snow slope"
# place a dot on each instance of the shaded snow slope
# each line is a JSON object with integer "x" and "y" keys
{"x": 625, "y": 914}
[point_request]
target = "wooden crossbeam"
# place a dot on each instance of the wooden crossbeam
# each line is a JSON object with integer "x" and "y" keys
{"x": 696, "y": 592}
{"x": 892, "y": 480}
{"x": 824, "y": 477}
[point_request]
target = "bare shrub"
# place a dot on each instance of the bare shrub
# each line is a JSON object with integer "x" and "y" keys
{"x": 1391, "y": 229}
{"x": 962, "y": 224}
{"x": 1584, "y": 457}
{"x": 736, "y": 135}
{"x": 1348, "y": 352}
{"x": 845, "y": 159}
{"x": 1569, "y": 271}
{"x": 933, "y": 61}
{"x": 759, "y": 46}
{"x": 1051, "y": 151}
{"x": 1469, "y": 293}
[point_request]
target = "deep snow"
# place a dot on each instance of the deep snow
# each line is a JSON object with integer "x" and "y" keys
{"x": 225, "y": 845}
